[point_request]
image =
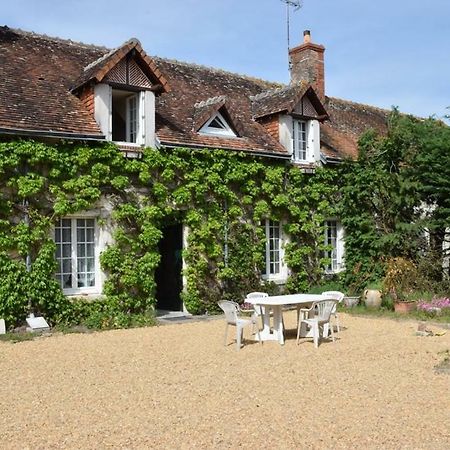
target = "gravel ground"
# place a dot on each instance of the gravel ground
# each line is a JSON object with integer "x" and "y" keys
{"x": 177, "y": 386}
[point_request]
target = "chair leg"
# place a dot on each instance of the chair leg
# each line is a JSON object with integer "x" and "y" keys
{"x": 332, "y": 334}
{"x": 226, "y": 333}
{"x": 238, "y": 337}
{"x": 337, "y": 323}
{"x": 316, "y": 335}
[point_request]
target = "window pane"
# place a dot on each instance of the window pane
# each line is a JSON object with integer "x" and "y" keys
{"x": 66, "y": 235}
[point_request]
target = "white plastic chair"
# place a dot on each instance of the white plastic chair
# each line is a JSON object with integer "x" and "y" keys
{"x": 257, "y": 308}
{"x": 339, "y": 296}
{"x": 316, "y": 318}
{"x": 232, "y": 310}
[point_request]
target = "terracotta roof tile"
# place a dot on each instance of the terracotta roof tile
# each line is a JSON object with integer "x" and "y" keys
{"x": 37, "y": 73}
{"x": 347, "y": 121}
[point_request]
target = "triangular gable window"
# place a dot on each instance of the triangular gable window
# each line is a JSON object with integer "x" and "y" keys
{"x": 217, "y": 125}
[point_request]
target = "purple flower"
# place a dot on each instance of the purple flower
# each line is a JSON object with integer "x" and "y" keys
{"x": 441, "y": 303}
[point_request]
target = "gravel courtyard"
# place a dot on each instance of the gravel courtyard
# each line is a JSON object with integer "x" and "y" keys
{"x": 177, "y": 386}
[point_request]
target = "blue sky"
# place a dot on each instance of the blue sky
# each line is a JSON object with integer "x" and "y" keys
{"x": 382, "y": 52}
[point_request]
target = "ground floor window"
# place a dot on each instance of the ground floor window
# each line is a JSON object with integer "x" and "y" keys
{"x": 75, "y": 253}
{"x": 334, "y": 241}
{"x": 273, "y": 249}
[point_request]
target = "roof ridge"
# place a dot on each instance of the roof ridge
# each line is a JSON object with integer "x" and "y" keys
{"x": 214, "y": 69}
{"x": 210, "y": 101}
{"x": 384, "y": 110}
{"x": 275, "y": 91}
{"x": 54, "y": 38}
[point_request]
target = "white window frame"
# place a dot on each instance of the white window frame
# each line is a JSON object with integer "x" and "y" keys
{"x": 133, "y": 124}
{"x": 75, "y": 290}
{"x": 336, "y": 255}
{"x": 300, "y": 146}
{"x": 277, "y": 248}
{"x": 226, "y": 131}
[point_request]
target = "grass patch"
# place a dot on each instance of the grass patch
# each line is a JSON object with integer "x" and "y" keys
{"x": 18, "y": 337}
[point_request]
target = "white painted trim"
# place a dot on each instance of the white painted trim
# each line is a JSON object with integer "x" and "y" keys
{"x": 282, "y": 275}
{"x": 103, "y": 108}
{"x": 102, "y": 237}
{"x": 227, "y": 131}
{"x": 340, "y": 246}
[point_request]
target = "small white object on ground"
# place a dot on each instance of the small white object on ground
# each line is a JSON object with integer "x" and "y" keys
{"x": 37, "y": 324}
{"x": 2, "y": 326}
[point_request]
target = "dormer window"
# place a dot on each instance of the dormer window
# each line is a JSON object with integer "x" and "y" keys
{"x": 217, "y": 125}
{"x": 125, "y": 116}
{"x": 299, "y": 140}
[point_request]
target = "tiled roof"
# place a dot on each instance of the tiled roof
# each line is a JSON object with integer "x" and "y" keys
{"x": 347, "y": 121}
{"x": 193, "y": 87}
{"x": 37, "y": 74}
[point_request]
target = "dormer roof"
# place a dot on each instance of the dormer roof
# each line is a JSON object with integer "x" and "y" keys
{"x": 287, "y": 99}
{"x": 131, "y": 55}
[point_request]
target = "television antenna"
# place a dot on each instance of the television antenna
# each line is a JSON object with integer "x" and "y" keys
{"x": 295, "y": 5}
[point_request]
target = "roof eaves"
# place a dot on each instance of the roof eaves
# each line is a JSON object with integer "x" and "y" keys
{"x": 51, "y": 134}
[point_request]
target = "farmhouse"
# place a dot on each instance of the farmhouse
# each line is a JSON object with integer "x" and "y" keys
{"x": 55, "y": 90}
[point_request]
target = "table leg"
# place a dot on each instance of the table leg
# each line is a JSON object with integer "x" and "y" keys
{"x": 266, "y": 334}
{"x": 278, "y": 324}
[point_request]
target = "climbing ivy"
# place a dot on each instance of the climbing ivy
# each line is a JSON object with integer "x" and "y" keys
{"x": 222, "y": 197}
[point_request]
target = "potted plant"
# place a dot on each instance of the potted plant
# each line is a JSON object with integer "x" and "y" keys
{"x": 400, "y": 282}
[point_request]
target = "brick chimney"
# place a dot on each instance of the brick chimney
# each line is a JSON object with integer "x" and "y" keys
{"x": 307, "y": 64}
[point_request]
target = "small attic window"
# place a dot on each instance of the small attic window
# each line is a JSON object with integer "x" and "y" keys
{"x": 217, "y": 125}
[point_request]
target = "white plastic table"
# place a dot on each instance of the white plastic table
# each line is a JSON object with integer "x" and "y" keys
{"x": 276, "y": 303}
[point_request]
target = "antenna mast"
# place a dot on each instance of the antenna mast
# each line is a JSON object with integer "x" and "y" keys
{"x": 296, "y": 5}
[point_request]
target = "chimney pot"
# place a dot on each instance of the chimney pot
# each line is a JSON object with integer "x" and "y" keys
{"x": 306, "y": 36}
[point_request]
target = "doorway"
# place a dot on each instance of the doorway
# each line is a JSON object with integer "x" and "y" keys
{"x": 168, "y": 277}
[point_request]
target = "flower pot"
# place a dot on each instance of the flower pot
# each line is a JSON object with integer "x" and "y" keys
{"x": 372, "y": 298}
{"x": 404, "y": 307}
{"x": 350, "y": 302}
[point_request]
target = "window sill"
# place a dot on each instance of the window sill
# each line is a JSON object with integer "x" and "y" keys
{"x": 275, "y": 279}
{"x": 82, "y": 292}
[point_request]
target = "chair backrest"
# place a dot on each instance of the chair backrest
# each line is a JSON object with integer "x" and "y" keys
{"x": 324, "y": 308}
{"x": 339, "y": 296}
{"x": 230, "y": 309}
{"x": 257, "y": 308}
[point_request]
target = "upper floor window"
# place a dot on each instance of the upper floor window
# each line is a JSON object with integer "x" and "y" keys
{"x": 217, "y": 125}
{"x": 299, "y": 140}
{"x": 125, "y": 116}
{"x": 76, "y": 259}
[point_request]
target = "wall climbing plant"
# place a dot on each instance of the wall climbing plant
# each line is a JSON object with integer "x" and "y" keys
{"x": 221, "y": 196}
